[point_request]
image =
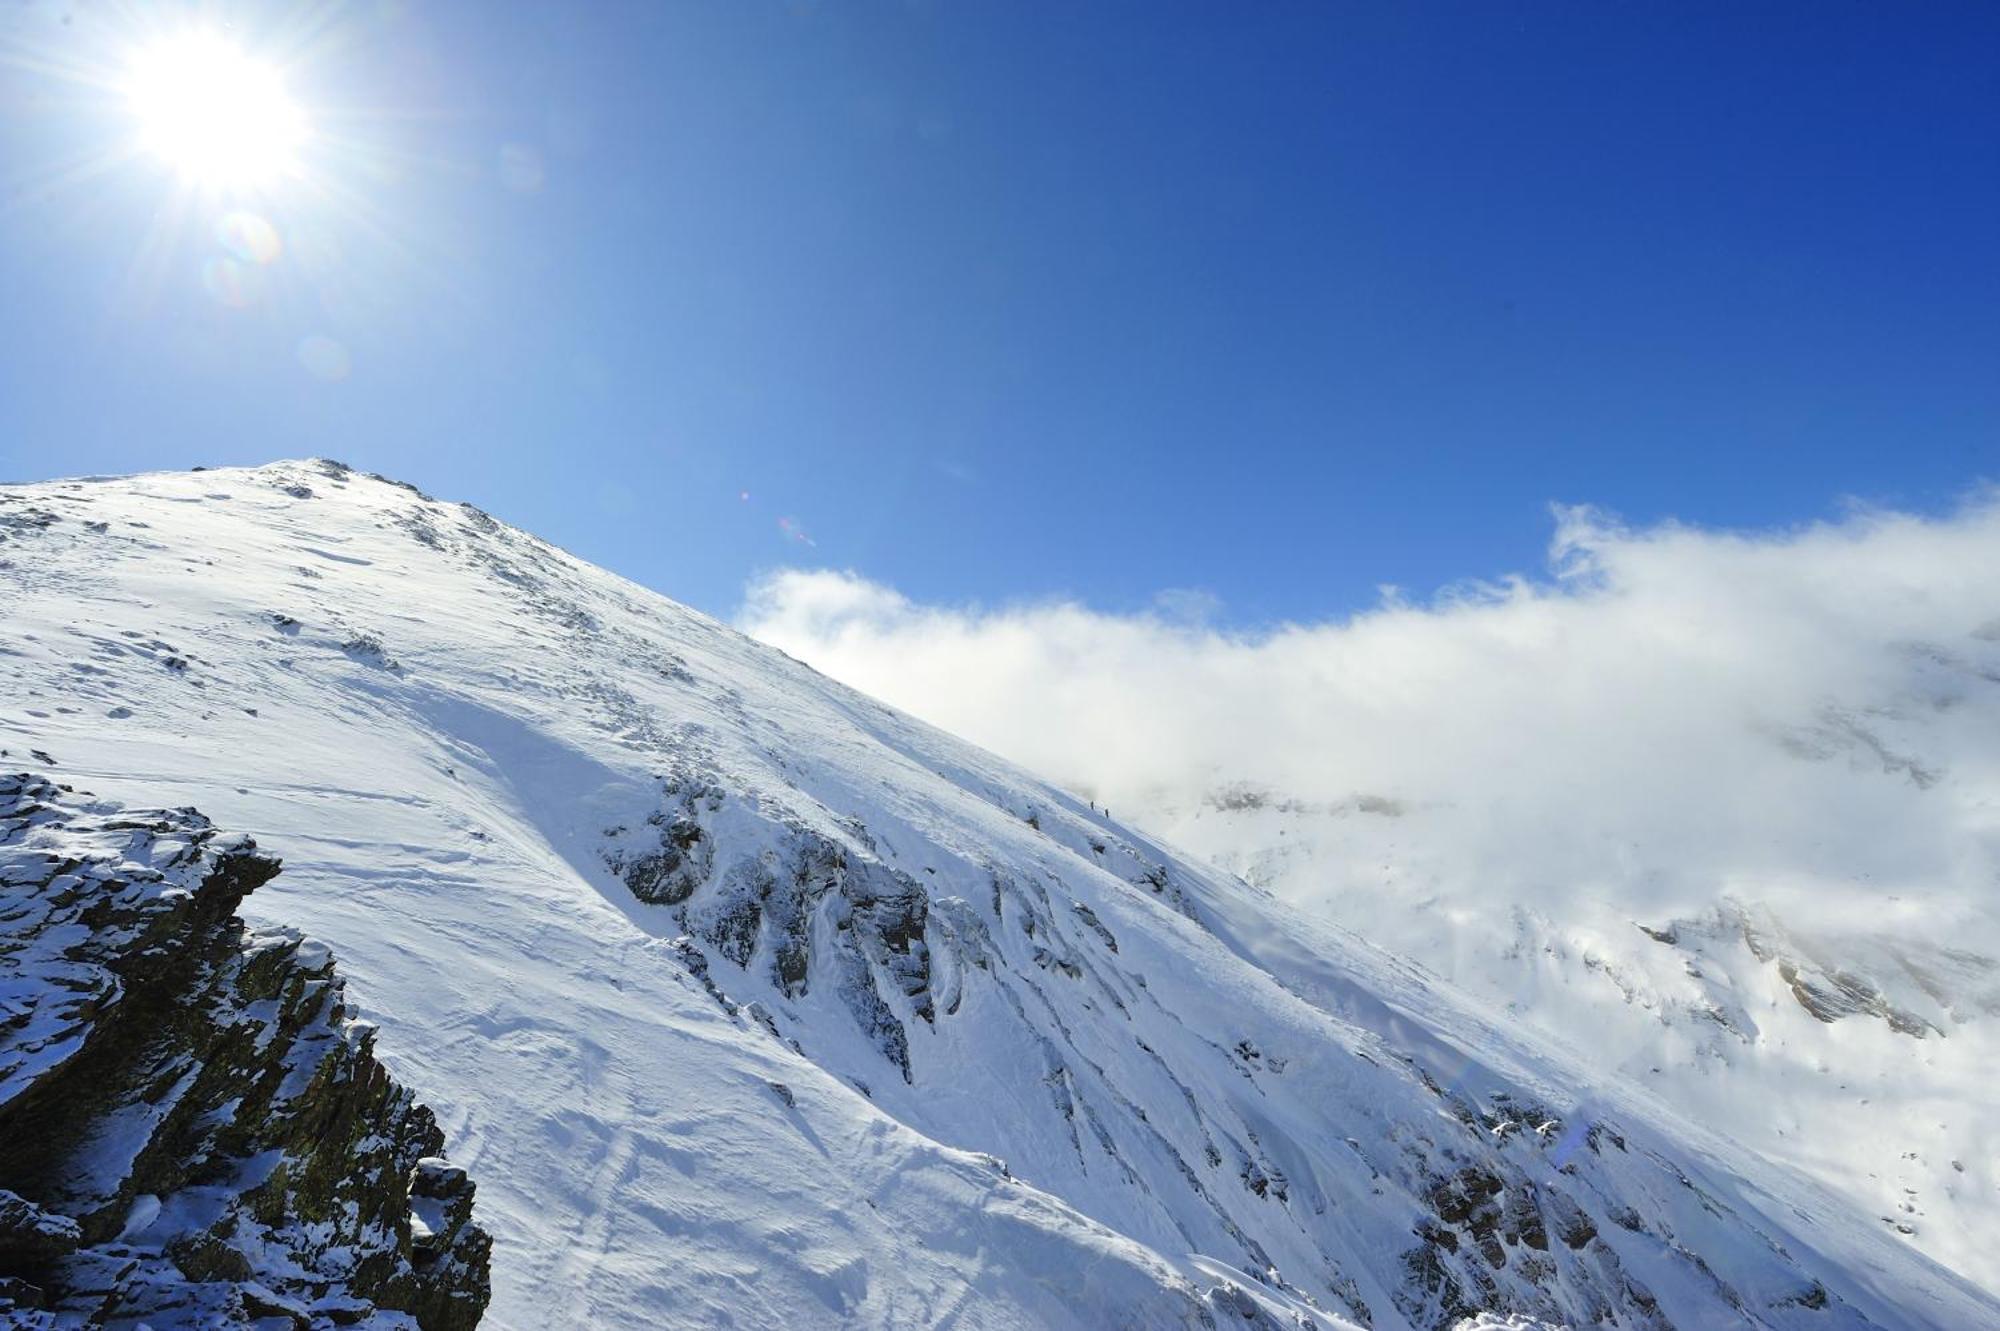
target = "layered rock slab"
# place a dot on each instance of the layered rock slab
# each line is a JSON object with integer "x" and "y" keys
{"x": 193, "y": 1129}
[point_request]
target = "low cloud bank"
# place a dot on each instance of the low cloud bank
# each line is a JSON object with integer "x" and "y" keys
{"x": 1660, "y": 717}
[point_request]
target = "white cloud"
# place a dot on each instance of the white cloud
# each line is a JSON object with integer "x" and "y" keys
{"x": 1662, "y": 717}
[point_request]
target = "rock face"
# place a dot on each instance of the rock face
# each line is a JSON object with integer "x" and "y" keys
{"x": 192, "y": 1130}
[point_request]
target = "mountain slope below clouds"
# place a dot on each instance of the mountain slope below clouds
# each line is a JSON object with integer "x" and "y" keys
{"x": 1842, "y": 1025}
{"x": 753, "y": 1003}
{"x": 1714, "y": 810}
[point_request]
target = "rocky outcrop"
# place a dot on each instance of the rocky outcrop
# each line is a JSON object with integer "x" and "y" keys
{"x": 193, "y": 1132}
{"x": 774, "y": 903}
{"x": 1508, "y": 1203}
{"x": 1917, "y": 989}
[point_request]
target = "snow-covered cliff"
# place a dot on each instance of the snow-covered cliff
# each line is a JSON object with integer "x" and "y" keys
{"x": 193, "y": 1133}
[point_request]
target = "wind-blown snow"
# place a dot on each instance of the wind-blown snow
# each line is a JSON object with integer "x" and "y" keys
{"x": 947, "y": 1046}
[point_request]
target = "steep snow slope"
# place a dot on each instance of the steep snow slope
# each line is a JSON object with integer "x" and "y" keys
{"x": 753, "y": 1003}
{"x": 1847, "y": 1027}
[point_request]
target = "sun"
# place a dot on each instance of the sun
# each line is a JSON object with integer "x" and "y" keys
{"x": 216, "y": 115}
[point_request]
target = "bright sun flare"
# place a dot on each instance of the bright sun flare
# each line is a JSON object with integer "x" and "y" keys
{"x": 216, "y": 115}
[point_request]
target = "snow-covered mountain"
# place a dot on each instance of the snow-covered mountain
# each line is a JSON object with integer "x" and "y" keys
{"x": 1843, "y": 1024}
{"x": 1715, "y": 811}
{"x": 751, "y": 1002}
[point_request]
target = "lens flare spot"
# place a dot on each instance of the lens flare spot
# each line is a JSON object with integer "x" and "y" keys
{"x": 231, "y": 283}
{"x": 324, "y": 358}
{"x": 249, "y": 238}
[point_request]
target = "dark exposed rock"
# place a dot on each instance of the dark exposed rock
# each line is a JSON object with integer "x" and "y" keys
{"x": 1265, "y": 1180}
{"x": 367, "y": 649}
{"x": 1487, "y": 1246}
{"x": 1832, "y": 994}
{"x": 1521, "y": 1221}
{"x": 1049, "y": 961}
{"x": 31, "y": 1237}
{"x": 213, "y": 1140}
{"x": 1916, "y": 989}
{"x": 668, "y": 872}
{"x": 767, "y": 904}
{"x": 1467, "y": 1197}
{"x": 1097, "y": 926}
{"x": 1573, "y": 1226}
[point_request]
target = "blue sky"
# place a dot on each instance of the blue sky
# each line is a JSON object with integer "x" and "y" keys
{"x": 987, "y": 301}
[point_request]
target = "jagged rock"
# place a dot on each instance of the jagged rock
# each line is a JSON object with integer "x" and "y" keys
{"x": 767, "y": 904}
{"x": 213, "y": 1141}
{"x": 1089, "y": 917}
{"x": 668, "y": 872}
{"x": 1833, "y": 994}
{"x": 31, "y": 1236}
{"x": 367, "y": 649}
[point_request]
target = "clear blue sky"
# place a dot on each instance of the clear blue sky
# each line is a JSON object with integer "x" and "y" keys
{"x": 1282, "y": 301}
